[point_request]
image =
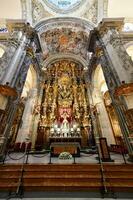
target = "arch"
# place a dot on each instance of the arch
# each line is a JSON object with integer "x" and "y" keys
{"x": 129, "y": 49}
{"x": 2, "y": 50}
{"x": 99, "y": 88}
{"x": 128, "y": 44}
{"x": 31, "y": 81}
{"x": 72, "y": 37}
{"x": 58, "y": 9}
{"x": 73, "y": 57}
{"x": 82, "y": 22}
{"x": 77, "y": 9}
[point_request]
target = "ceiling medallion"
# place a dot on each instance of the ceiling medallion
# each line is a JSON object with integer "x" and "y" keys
{"x": 64, "y": 6}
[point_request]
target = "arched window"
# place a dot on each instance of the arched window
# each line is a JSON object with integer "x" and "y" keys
{"x": 130, "y": 51}
{"x": 63, "y": 6}
{"x": 2, "y": 51}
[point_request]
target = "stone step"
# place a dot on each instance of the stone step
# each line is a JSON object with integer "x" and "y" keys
{"x": 66, "y": 177}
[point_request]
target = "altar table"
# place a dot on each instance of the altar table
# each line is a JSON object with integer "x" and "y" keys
{"x": 59, "y": 147}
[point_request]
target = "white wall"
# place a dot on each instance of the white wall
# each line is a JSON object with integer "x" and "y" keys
{"x": 10, "y": 9}
{"x": 120, "y": 8}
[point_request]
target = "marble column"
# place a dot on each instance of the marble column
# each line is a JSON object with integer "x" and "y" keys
{"x": 111, "y": 38}
{"x": 117, "y": 67}
{"x": 14, "y": 64}
{"x": 25, "y": 129}
{"x": 13, "y": 103}
{"x": 6, "y": 58}
{"x": 113, "y": 82}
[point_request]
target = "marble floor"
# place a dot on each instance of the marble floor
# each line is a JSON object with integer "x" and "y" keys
{"x": 45, "y": 158}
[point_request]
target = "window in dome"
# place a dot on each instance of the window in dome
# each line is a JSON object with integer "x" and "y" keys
{"x": 64, "y": 5}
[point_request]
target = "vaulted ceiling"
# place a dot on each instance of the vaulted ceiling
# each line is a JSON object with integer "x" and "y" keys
{"x": 39, "y": 9}
{"x": 64, "y": 36}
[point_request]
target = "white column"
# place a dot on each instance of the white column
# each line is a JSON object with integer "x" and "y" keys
{"x": 105, "y": 123}
{"x": 25, "y": 130}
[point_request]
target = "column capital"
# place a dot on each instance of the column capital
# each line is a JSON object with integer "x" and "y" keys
{"x": 20, "y": 25}
{"x": 110, "y": 23}
{"x": 15, "y": 25}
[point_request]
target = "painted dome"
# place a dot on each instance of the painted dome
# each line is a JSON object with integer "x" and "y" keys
{"x": 64, "y": 6}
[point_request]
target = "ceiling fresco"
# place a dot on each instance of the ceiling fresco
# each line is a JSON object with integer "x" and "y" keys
{"x": 64, "y": 40}
{"x": 64, "y": 36}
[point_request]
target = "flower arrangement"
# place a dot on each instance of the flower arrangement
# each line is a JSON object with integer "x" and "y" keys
{"x": 65, "y": 156}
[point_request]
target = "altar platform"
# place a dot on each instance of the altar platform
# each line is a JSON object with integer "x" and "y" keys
{"x": 59, "y": 147}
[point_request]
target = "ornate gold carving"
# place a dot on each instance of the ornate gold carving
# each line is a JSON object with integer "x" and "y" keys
{"x": 65, "y": 99}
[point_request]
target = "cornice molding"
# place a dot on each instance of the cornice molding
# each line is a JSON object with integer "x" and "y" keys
{"x": 110, "y": 23}
{"x": 58, "y": 20}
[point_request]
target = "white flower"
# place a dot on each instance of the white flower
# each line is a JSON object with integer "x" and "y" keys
{"x": 65, "y": 155}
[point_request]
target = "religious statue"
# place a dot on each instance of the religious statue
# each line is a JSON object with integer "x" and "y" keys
{"x": 65, "y": 127}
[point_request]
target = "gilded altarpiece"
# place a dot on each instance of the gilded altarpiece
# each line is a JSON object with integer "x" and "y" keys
{"x": 65, "y": 106}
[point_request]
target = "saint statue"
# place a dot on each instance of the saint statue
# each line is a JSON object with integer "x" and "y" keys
{"x": 65, "y": 126}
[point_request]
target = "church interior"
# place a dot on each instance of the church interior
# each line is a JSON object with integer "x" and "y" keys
{"x": 66, "y": 99}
